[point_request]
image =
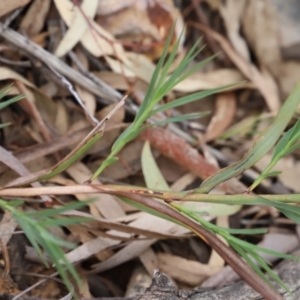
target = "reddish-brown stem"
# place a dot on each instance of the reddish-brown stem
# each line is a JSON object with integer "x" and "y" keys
{"x": 175, "y": 148}
{"x": 237, "y": 264}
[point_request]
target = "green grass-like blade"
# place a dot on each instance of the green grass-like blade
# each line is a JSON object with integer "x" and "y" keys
{"x": 52, "y": 212}
{"x": 64, "y": 221}
{"x": 181, "y": 118}
{"x": 263, "y": 144}
{"x": 10, "y": 101}
{"x": 188, "y": 99}
{"x": 72, "y": 157}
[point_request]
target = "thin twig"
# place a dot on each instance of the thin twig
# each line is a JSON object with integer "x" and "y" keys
{"x": 167, "y": 196}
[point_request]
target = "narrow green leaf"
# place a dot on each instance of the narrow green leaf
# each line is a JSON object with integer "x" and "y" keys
{"x": 107, "y": 162}
{"x": 263, "y": 144}
{"x": 271, "y": 174}
{"x": 10, "y": 101}
{"x": 64, "y": 221}
{"x": 181, "y": 118}
{"x": 171, "y": 57}
{"x": 281, "y": 145}
{"x": 245, "y": 231}
{"x": 15, "y": 203}
{"x": 72, "y": 157}
{"x": 271, "y": 273}
{"x": 52, "y": 212}
{"x": 295, "y": 133}
{"x": 292, "y": 149}
{"x": 188, "y": 99}
{"x": 3, "y": 125}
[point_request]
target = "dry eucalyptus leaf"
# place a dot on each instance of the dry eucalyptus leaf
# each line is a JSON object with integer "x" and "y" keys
{"x": 211, "y": 80}
{"x": 136, "y": 248}
{"x": 119, "y": 82}
{"x": 77, "y": 27}
{"x": 260, "y": 26}
{"x": 95, "y": 39}
{"x": 262, "y": 80}
{"x": 7, "y": 6}
{"x": 225, "y": 109}
{"x": 141, "y": 23}
{"x": 35, "y": 18}
{"x": 232, "y": 12}
{"x": 187, "y": 271}
{"x": 106, "y": 204}
{"x": 289, "y": 75}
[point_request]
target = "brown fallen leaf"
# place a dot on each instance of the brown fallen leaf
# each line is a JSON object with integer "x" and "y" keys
{"x": 88, "y": 99}
{"x": 211, "y": 80}
{"x": 223, "y": 116}
{"x": 149, "y": 260}
{"x": 136, "y": 248}
{"x": 260, "y": 26}
{"x": 35, "y": 17}
{"x": 141, "y": 25}
{"x": 262, "y": 80}
{"x": 7, "y": 6}
{"x": 28, "y": 104}
{"x": 232, "y": 12}
{"x": 78, "y": 26}
{"x": 289, "y": 75}
{"x": 107, "y": 205}
{"x": 99, "y": 44}
{"x": 187, "y": 271}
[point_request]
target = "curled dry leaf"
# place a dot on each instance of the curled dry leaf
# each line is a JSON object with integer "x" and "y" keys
{"x": 223, "y": 116}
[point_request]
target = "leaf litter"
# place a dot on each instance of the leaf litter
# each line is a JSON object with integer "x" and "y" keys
{"x": 113, "y": 48}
